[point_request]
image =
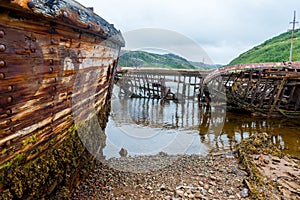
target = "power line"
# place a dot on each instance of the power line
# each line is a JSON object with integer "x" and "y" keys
{"x": 293, "y": 35}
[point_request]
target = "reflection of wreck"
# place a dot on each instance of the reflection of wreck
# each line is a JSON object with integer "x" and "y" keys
{"x": 268, "y": 89}
{"x": 57, "y": 61}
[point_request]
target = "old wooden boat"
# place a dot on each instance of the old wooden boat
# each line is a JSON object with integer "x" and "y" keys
{"x": 263, "y": 89}
{"x": 57, "y": 63}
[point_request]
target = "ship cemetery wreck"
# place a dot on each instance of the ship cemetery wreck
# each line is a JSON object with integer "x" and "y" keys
{"x": 58, "y": 67}
{"x": 263, "y": 89}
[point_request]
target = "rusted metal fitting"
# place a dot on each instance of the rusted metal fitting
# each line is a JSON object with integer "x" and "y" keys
{"x": 2, "y": 47}
{"x": 9, "y": 111}
{"x": 9, "y": 99}
{"x": 51, "y": 62}
{"x": 10, "y": 88}
{"x": 2, "y": 63}
{"x": 2, "y": 76}
{"x": 51, "y": 69}
{"x": 8, "y": 122}
{"x": 2, "y": 33}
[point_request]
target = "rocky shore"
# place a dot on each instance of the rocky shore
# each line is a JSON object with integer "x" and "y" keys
{"x": 217, "y": 176}
{"x": 255, "y": 170}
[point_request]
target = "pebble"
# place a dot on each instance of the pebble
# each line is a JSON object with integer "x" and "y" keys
{"x": 180, "y": 193}
{"x": 244, "y": 193}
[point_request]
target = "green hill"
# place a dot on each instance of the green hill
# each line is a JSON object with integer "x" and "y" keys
{"x": 168, "y": 61}
{"x": 145, "y": 59}
{"x": 276, "y": 49}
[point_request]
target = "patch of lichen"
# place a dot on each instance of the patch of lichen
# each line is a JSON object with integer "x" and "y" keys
{"x": 53, "y": 174}
{"x": 257, "y": 144}
{"x": 23, "y": 180}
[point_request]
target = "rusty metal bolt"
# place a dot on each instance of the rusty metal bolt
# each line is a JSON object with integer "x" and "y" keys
{"x": 30, "y": 5}
{"x": 2, "y": 47}
{"x": 2, "y": 63}
{"x": 2, "y": 33}
{"x": 8, "y": 122}
{"x": 2, "y": 75}
{"x": 51, "y": 62}
{"x": 9, "y": 99}
{"x": 51, "y": 69}
{"x": 10, "y": 88}
{"x": 53, "y": 88}
{"x": 8, "y": 111}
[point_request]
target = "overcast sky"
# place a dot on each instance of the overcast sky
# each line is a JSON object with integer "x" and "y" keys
{"x": 223, "y": 28}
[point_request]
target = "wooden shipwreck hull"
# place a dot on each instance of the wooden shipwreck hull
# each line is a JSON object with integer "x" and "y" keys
{"x": 265, "y": 89}
{"x": 57, "y": 62}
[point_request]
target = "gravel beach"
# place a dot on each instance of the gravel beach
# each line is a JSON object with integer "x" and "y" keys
{"x": 216, "y": 176}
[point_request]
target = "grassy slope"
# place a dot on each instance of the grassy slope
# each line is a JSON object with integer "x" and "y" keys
{"x": 276, "y": 49}
{"x": 145, "y": 59}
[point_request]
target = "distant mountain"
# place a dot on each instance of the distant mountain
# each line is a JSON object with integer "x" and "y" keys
{"x": 276, "y": 49}
{"x": 169, "y": 61}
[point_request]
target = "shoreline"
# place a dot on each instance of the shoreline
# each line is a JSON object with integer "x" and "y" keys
{"x": 246, "y": 173}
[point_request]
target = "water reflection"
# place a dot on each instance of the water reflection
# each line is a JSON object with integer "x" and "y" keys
{"x": 150, "y": 126}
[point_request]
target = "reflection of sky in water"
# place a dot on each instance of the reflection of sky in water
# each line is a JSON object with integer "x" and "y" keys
{"x": 141, "y": 140}
{"x": 147, "y": 127}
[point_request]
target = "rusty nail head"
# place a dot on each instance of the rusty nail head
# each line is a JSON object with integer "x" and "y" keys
{"x": 8, "y": 122}
{"x": 2, "y": 47}
{"x": 8, "y": 111}
{"x": 2, "y": 75}
{"x": 2, "y": 63}
{"x": 10, "y": 88}
{"x": 2, "y": 33}
{"x": 9, "y": 99}
{"x": 51, "y": 69}
{"x": 51, "y": 62}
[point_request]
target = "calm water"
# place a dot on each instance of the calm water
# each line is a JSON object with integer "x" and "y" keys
{"x": 150, "y": 126}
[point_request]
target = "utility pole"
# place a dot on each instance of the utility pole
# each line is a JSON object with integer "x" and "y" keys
{"x": 293, "y": 30}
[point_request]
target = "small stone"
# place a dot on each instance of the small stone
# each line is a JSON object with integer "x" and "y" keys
{"x": 163, "y": 187}
{"x": 204, "y": 191}
{"x": 201, "y": 183}
{"x": 180, "y": 193}
{"x": 168, "y": 197}
{"x": 191, "y": 196}
{"x": 210, "y": 191}
{"x": 149, "y": 187}
{"x": 206, "y": 186}
{"x": 213, "y": 178}
{"x": 244, "y": 193}
{"x": 198, "y": 195}
{"x": 212, "y": 183}
{"x": 123, "y": 152}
